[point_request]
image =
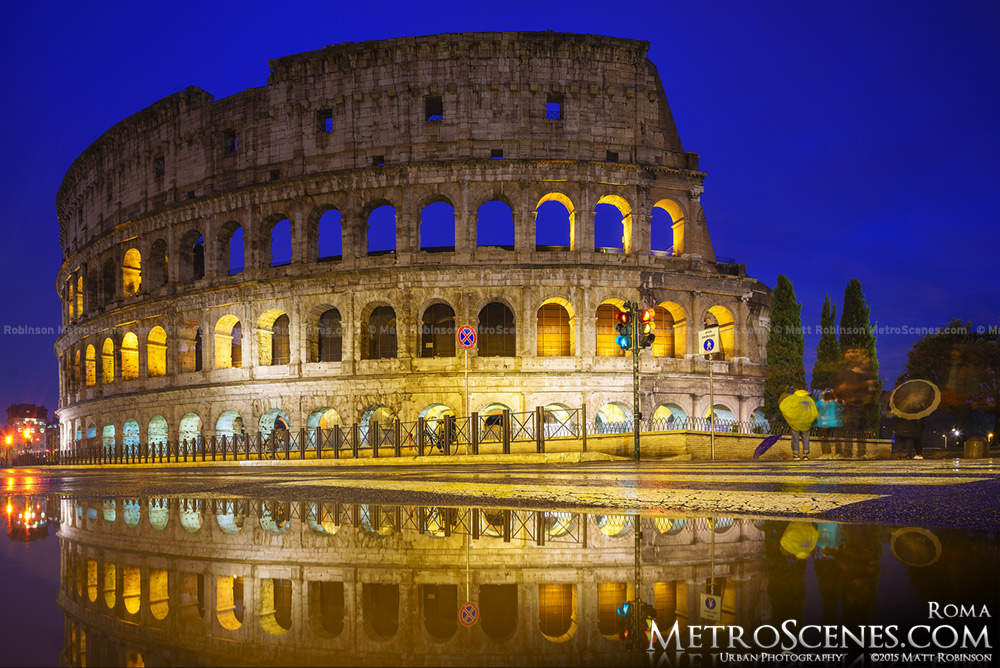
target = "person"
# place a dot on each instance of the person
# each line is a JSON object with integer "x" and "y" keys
{"x": 799, "y": 411}
{"x": 854, "y": 385}
{"x": 908, "y": 433}
{"x": 830, "y": 422}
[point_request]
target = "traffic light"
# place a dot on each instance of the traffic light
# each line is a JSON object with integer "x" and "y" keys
{"x": 624, "y": 329}
{"x": 646, "y": 327}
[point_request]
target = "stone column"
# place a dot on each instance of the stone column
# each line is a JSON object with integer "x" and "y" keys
{"x": 465, "y": 230}
{"x": 524, "y": 223}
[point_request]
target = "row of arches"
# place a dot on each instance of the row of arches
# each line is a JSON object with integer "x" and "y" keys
{"x": 555, "y": 328}
{"x": 127, "y": 274}
{"x": 559, "y": 420}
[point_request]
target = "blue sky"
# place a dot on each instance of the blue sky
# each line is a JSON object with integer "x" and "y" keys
{"x": 840, "y": 140}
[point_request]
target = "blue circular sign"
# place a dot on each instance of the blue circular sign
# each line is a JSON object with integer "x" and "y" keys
{"x": 709, "y": 344}
{"x": 710, "y": 603}
{"x": 466, "y": 336}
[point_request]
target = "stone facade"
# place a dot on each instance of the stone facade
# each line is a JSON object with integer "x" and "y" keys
{"x": 381, "y": 585}
{"x": 150, "y": 214}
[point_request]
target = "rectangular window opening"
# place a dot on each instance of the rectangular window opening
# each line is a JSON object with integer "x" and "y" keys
{"x": 433, "y": 108}
{"x": 554, "y": 106}
{"x": 229, "y": 142}
{"x": 324, "y": 120}
{"x": 378, "y": 161}
{"x": 158, "y": 167}
{"x": 612, "y": 157}
{"x": 497, "y": 153}
{"x": 275, "y": 174}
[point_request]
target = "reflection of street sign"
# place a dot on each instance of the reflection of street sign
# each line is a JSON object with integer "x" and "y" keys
{"x": 466, "y": 336}
{"x": 711, "y": 607}
{"x": 468, "y": 614}
{"x": 708, "y": 340}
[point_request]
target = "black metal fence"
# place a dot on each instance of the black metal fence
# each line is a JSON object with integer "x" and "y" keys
{"x": 442, "y": 437}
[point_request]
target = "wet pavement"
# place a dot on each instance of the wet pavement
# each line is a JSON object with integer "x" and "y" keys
{"x": 949, "y": 493}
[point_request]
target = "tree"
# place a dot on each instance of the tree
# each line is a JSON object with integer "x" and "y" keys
{"x": 828, "y": 357}
{"x": 857, "y": 333}
{"x": 964, "y": 363}
{"x": 785, "y": 346}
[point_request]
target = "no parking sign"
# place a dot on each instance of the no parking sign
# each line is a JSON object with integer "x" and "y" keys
{"x": 466, "y": 336}
{"x": 468, "y": 614}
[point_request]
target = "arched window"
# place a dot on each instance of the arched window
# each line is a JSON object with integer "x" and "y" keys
{"x": 722, "y": 417}
{"x": 91, "y": 364}
{"x": 497, "y": 333}
{"x": 379, "y": 338}
{"x": 380, "y": 608}
{"x": 108, "y": 362}
{"x": 130, "y": 437}
{"x": 613, "y": 418}
{"x": 231, "y": 248}
{"x": 107, "y": 282}
{"x": 610, "y": 596}
{"x": 437, "y": 228}
{"x": 131, "y": 272}
{"x": 327, "y": 602}
{"x": 275, "y": 605}
{"x": 721, "y": 317}
{"x": 275, "y": 421}
{"x": 228, "y": 343}
{"x": 329, "y": 338}
{"x": 667, "y": 229}
{"x": 606, "y": 333}
{"x": 281, "y": 243}
{"x": 192, "y": 256}
{"x": 324, "y": 418}
{"x": 439, "y": 603}
{"x": 382, "y": 230}
{"x": 130, "y": 356}
{"x": 273, "y": 338}
{"x": 556, "y": 610}
{"x": 554, "y": 223}
{"x": 190, "y": 427}
{"x": 330, "y": 236}
{"x": 229, "y": 424}
{"x": 495, "y": 225}
{"x": 437, "y": 335}
{"x": 156, "y": 353}
{"x": 156, "y": 431}
{"x": 613, "y": 225}
{"x": 671, "y": 331}
{"x": 554, "y": 331}
{"x": 670, "y": 416}
{"x": 77, "y": 370}
{"x": 158, "y": 263}
{"x": 230, "y": 604}
{"x": 189, "y": 347}
{"x": 79, "y": 296}
{"x": 498, "y": 607}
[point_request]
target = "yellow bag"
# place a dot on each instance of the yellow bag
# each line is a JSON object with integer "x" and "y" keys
{"x": 800, "y": 539}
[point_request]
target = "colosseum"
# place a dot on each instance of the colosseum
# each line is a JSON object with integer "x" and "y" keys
{"x": 300, "y": 254}
{"x": 180, "y": 582}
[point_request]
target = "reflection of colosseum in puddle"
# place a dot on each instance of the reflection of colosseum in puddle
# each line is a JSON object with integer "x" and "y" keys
{"x": 211, "y": 582}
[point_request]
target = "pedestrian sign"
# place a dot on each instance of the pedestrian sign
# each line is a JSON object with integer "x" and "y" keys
{"x": 708, "y": 340}
{"x": 711, "y": 607}
{"x": 468, "y": 614}
{"x": 466, "y": 336}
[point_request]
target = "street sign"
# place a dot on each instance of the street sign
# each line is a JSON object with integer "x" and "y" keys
{"x": 468, "y": 614}
{"x": 711, "y": 607}
{"x": 708, "y": 340}
{"x": 466, "y": 336}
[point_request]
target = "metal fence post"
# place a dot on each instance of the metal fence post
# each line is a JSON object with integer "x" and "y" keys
{"x": 356, "y": 439}
{"x": 373, "y": 437}
{"x": 397, "y": 437}
{"x": 583, "y": 423}
{"x": 421, "y": 435}
{"x": 474, "y": 433}
{"x": 505, "y": 430}
{"x": 319, "y": 442}
{"x": 539, "y": 430}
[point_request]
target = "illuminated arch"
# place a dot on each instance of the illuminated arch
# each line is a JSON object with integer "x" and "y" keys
{"x": 614, "y": 525}
{"x": 130, "y": 356}
{"x": 625, "y": 210}
{"x": 613, "y": 418}
{"x": 228, "y": 425}
{"x": 557, "y": 616}
{"x": 723, "y": 317}
{"x": 91, "y": 366}
{"x": 156, "y": 353}
{"x": 274, "y": 419}
{"x": 545, "y": 239}
{"x": 607, "y": 314}
{"x": 273, "y": 342}
{"x": 228, "y": 343}
{"x": 192, "y": 514}
{"x": 670, "y": 416}
{"x": 275, "y": 518}
{"x": 132, "y": 512}
{"x": 131, "y": 272}
{"x": 556, "y": 328}
{"x": 322, "y": 519}
{"x": 229, "y": 516}
{"x": 130, "y": 438}
{"x": 667, "y": 228}
{"x": 324, "y": 418}
{"x": 159, "y": 513}
{"x": 671, "y": 331}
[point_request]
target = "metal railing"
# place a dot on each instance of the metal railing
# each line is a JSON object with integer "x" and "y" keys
{"x": 445, "y": 436}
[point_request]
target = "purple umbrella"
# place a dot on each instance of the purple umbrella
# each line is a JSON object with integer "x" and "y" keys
{"x": 765, "y": 445}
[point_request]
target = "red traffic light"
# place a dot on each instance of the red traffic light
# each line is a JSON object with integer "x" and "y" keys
{"x": 622, "y": 317}
{"x": 647, "y": 315}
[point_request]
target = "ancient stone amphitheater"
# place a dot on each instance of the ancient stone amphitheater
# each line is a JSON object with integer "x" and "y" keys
{"x": 211, "y": 582}
{"x": 300, "y": 254}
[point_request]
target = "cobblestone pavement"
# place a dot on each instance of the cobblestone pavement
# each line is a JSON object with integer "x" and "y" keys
{"x": 958, "y": 493}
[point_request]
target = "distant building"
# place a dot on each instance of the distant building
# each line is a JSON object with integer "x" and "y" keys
{"x": 28, "y": 428}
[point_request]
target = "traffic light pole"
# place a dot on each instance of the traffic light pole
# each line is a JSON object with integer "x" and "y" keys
{"x": 634, "y": 312}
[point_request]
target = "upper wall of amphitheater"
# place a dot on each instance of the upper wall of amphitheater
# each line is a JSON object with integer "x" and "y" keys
{"x": 359, "y": 105}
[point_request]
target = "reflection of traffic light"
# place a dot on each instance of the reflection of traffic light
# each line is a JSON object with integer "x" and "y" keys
{"x": 624, "y": 329}
{"x": 625, "y": 620}
{"x": 646, "y": 327}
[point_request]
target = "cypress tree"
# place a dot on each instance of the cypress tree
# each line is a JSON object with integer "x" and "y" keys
{"x": 785, "y": 346}
{"x": 828, "y": 357}
{"x": 856, "y": 331}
